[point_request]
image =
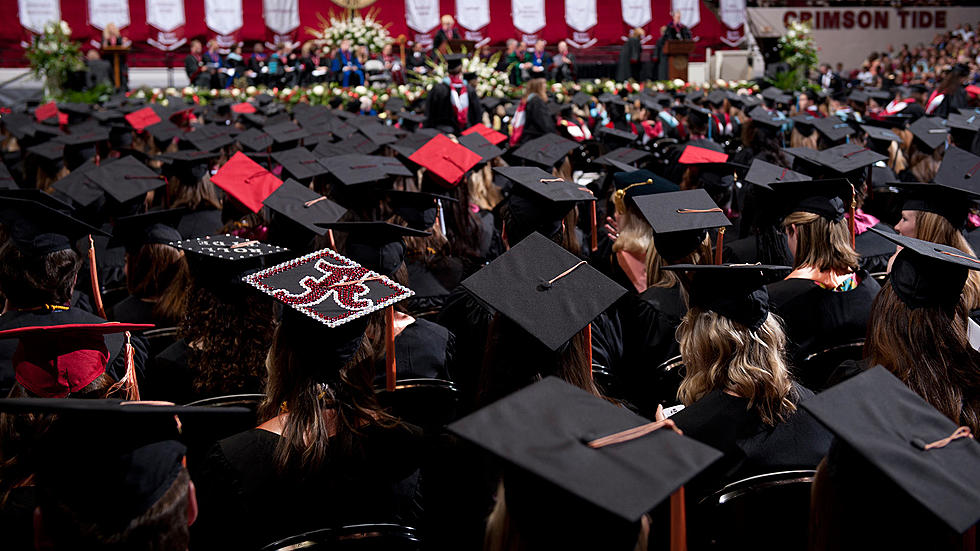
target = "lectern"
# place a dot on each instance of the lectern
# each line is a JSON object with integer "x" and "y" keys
{"x": 457, "y": 45}
{"x": 117, "y": 53}
{"x": 677, "y": 53}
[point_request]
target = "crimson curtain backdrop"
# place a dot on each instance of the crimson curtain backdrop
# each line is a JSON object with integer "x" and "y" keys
{"x": 158, "y": 26}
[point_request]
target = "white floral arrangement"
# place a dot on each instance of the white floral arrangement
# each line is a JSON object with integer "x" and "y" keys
{"x": 361, "y": 30}
{"x": 490, "y": 81}
{"x": 53, "y": 55}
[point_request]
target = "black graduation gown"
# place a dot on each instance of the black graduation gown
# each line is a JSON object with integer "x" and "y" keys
{"x": 538, "y": 120}
{"x": 430, "y": 292}
{"x": 874, "y": 249}
{"x": 474, "y": 113}
{"x": 751, "y": 447}
{"x": 170, "y": 377}
{"x": 423, "y": 350}
{"x": 133, "y": 310}
{"x": 246, "y": 503}
{"x": 439, "y": 111}
{"x": 650, "y": 320}
{"x": 115, "y": 342}
{"x": 200, "y": 223}
{"x": 816, "y": 318}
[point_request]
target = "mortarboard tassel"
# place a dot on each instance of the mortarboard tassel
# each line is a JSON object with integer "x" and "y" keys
{"x": 93, "y": 271}
{"x": 128, "y": 383}
{"x": 678, "y": 521}
{"x": 333, "y": 243}
{"x": 588, "y": 346}
{"x": 595, "y": 237}
{"x": 851, "y": 223}
{"x": 719, "y": 244}
{"x": 390, "y": 348}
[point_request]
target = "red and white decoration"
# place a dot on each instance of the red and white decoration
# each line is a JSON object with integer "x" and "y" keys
{"x": 33, "y": 14}
{"x": 166, "y": 19}
{"x": 581, "y": 16}
{"x": 422, "y": 16}
{"x": 282, "y": 19}
{"x": 103, "y": 12}
{"x": 529, "y": 18}
{"x": 637, "y": 13}
{"x": 733, "y": 16}
{"x": 225, "y": 18}
{"x": 690, "y": 11}
{"x": 472, "y": 16}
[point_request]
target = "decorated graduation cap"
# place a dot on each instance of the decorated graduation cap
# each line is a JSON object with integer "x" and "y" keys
{"x": 906, "y": 439}
{"x": 927, "y": 274}
{"x": 37, "y": 229}
{"x": 680, "y": 220}
{"x": 126, "y": 179}
{"x": 150, "y": 228}
{"x": 930, "y": 131}
{"x": 481, "y": 146}
{"x": 734, "y": 291}
{"x": 574, "y": 459}
{"x": 299, "y": 163}
{"x": 246, "y": 181}
{"x": 446, "y": 159}
{"x": 762, "y": 174}
{"x": 545, "y": 151}
{"x": 547, "y": 291}
{"x": 833, "y": 128}
{"x": 54, "y": 361}
{"x": 539, "y": 202}
{"x": 303, "y": 206}
{"x": 227, "y": 248}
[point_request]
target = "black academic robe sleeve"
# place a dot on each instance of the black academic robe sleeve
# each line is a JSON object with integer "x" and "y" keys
{"x": 474, "y": 114}
{"x": 438, "y": 108}
{"x": 538, "y": 120}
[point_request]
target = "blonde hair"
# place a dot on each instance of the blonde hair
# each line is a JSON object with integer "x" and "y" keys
{"x": 797, "y": 139}
{"x": 822, "y": 244}
{"x": 720, "y": 354}
{"x": 635, "y": 234}
{"x": 934, "y": 228}
{"x": 658, "y": 277}
{"x": 483, "y": 192}
{"x": 924, "y": 166}
{"x": 537, "y": 86}
{"x": 896, "y": 158}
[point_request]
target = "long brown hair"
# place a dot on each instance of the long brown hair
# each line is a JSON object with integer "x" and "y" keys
{"x": 720, "y": 354}
{"x": 196, "y": 195}
{"x": 157, "y": 271}
{"x": 658, "y": 277}
{"x": 303, "y": 382}
{"x": 929, "y": 352}
{"x": 934, "y": 228}
{"x": 537, "y": 87}
{"x": 821, "y": 243}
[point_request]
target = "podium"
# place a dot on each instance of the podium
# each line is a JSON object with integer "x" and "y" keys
{"x": 677, "y": 53}
{"x": 456, "y": 45}
{"x": 117, "y": 53}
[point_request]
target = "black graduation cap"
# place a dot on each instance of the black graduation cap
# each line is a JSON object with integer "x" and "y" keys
{"x": 550, "y": 431}
{"x": 286, "y": 132}
{"x": 777, "y": 95}
{"x": 894, "y": 429}
{"x": 680, "y": 220}
{"x": 930, "y": 131}
{"x": 79, "y": 187}
{"x": 381, "y": 134}
{"x": 21, "y": 125}
{"x": 611, "y": 98}
{"x": 328, "y": 287}
{"x": 413, "y": 142}
{"x": 951, "y": 203}
{"x": 833, "y": 128}
{"x": 254, "y": 139}
{"x": 188, "y": 164}
{"x": 616, "y": 136}
{"x": 959, "y": 170}
{"x": 304, "y": 206}
{"x": 82, "y": 136}
{"x": 355, "y": 143}
{"x": 151, "y": 228}
{"x": 634, "y": 183}
{"x": 735, "y": 291}
{"x": 165, "y": 131}
{"x": 7, "y": 180}
{"x": 227, "y": 248}
{"x": 846, "y": 158}
{"x": 695, "y": 96}
{"x": 409, "y": 120}
{"x": 38, "y": 196}
{"x": 581, "y": 99}
{"x": 37, "y": 229}
{"x": 762, "y": 174}
{"x": 454, "y": 61}
{"x": 211, "y": 137}
{"x": 377, "y": 246}
{"x": 418, "y": 209}
{"x": 481, "y": 146}
{"x": 544, "y": 289}
{"x": 772, "y": 119}
{"x": 882, "y": 96}
{"x": 546, "y": 150}
{"x": 126, "y": 179}
{"x": 353, "y": 169}
{"x": 827, "y": 198}
{"x": 881, "y": 134}
{"x": 858, "y": 96}
{"x": 545, "y": 186}
{"x": 968, "y": 123}
{"x": 299, "y": 163}
{"x": 49, "y": 150}
{"x": 625, "y": 155}
{"x": 927, "y": 274}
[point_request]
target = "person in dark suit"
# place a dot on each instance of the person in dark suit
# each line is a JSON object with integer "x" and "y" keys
{"x": 677, "y": 30}
{"x": 194, "y": 66}
{"x": 447, "y": 31}
{"x": 99, "y": 70}
{"x": 630, "y": 57}
{"x": 345, "y": 64}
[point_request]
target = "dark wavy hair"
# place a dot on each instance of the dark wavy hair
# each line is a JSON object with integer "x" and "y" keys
{"x": 158, "y": 272}
{"x": 30, "y": 281}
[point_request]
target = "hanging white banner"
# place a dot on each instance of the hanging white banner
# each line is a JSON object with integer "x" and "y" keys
{"x": 732, "y": 13}
{"x": 581, "y": 15}
{"x": 223, "y": 16}
{"x": 281, "y": 16}
{"x": 103, "y": 12}
{"x": 473, "y": 15}
{"x": 33, "y": 14}
{"x": 528, "y": 15}
{"x": 690, "y": 11}
{"x": 637, "y": 13}
{"x": 422, "y": 15}
{"x": 165, "y": 15}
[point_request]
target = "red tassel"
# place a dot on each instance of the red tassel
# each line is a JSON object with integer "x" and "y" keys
{"x": 719, "y": 244}
{"x": 678, "y": 521}
{"x": 93, "y": 271}
{"x": 851, "y": 222}
{"x": 128, "y": 384}
{"x": 390, "y": 348}
{"x": 595, "y": 238}
{"x": 333, "y": 244}
{"x": 588, "y": 346}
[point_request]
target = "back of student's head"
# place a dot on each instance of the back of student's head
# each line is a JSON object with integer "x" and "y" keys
{"x": 30, "y": 281}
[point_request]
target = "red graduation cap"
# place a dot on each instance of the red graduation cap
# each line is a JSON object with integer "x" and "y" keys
{"x": 46, "y": 111}
{"x": 694, "y": 155}
{"x": 62, "y": 118}
{"x": 490, "y": 134}
{"x": 973, "y": 90}
{"x": 244, "y": 107}
{"x": 445, "y": 158}
{"x": 247, "y": 181}
{"x": 54, "y": 361}
{"x": 142, "y": 118}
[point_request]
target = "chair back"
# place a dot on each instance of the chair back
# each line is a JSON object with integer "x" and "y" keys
{"x": 734, "y": 516}
{"x": 159, "y": 339}
{"x": 604, "y": 380}
{"x": 428, "y": 403}
{"x": 880, "y": 277}
{"x": 359, "y": 537}
{"x": 815, "y": 371}
{"x": 666, "y": 381}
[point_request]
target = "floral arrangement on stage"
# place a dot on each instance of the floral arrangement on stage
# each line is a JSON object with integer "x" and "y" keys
{"x": 491, "y": 81}
{"x": 323, "y": 94}
{"x": 53, "y": 55}
{"x": 796, "y": 49}
{"x": 361, "y": 30}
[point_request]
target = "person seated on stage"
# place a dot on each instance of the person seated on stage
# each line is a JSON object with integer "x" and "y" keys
{"x": 347, "y": 68}
{"x": 393, "y": 65}
{"x": 111, "y": 37}
{"x": 416, "y": 60}
{"x": 537, "y": 60}
{"x": 677, "y": 30}
{"x": 99, "y": 70}
{"x": 258, "y": 64}
{"x": 212, "y": 58}
{"x": 447, "y": 31}
{"x": 235, "y": 61}
{"x": 563, "y": 64}
{"x": 194, "y": 66}
{"x": 277, "y": 66}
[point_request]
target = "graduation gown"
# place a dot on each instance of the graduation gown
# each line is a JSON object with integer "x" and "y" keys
{"x": 874, "y": 249}
{"x": 751, "y": 447}
{"x": 538, "y": 120}
{"x": 816, "y": 318}
{"x": 439, "y": 111}
{"x": 650, "y": 320}
{"x": 423, "y": 350}
{"x": 200, "y": 223}
{"x": 133, "y": 310}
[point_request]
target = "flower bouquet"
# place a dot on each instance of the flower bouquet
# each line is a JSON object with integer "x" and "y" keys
{"x": 53, "y": 55}
{"x": 360, "y": 30}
